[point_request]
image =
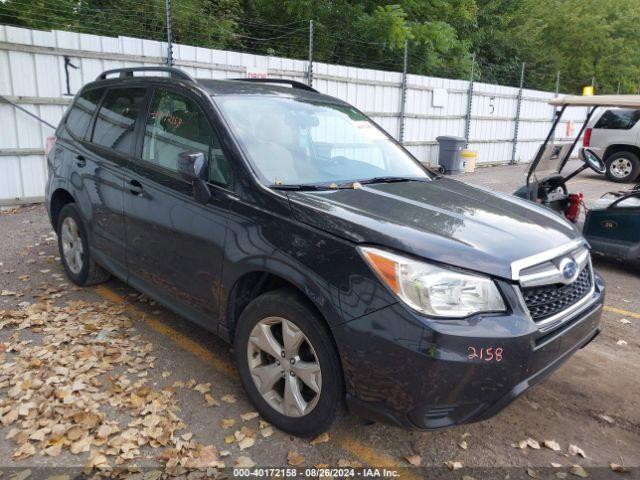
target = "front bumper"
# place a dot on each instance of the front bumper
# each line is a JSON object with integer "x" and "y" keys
{"x": 415, "y": 372}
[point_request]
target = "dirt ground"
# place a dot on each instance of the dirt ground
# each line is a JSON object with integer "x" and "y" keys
{"x": 180, "y": 378}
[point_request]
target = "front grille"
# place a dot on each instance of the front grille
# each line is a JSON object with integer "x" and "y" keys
{"x": 544, "y": 302}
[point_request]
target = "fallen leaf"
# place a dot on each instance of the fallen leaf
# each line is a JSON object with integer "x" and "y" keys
{"x": 578, "y": 471}
{"x": 246, "y": 443}
{"x": 575, "y": 450}
{"x": 625, "y": 321}
{"x": 552, "y": 445}
{"x": 228, "y": 398}
{"x": 453, "y": 465}
{"x": 533, "y": 443}
{"x": 203, "y": 388}
{"x": 414, "y": 460}
{"x": 605, "y": 418}
{"x": 621, "y": 342}
{"x": 227, "y": 423}
{"x": 248, "y": 416}
{"x": 295, "y": 459}
{"x": 210, "y": 401}
{"x": 266, "y": 432}
{"x": 96, "y": 460}
{"x": 26, "y": 450}
{"x": 556, "y": 464}
{"x": 322, "y": 438}
{"x": 244, "y": 462}
{"x": 619, "y": 468}
{"x": 532, "y": 473}
{"x": 463, "y": 445}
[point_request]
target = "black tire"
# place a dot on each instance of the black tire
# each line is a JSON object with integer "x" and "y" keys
{"x": 91, "y": 273}
{"x": 288, "y": 304}
{"x": 617, "y": 157}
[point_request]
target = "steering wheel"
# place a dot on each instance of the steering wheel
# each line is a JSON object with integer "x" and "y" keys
{"x": 593, "y": 161}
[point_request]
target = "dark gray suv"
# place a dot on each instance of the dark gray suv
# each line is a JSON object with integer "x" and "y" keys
{"x": 341, "y": 269}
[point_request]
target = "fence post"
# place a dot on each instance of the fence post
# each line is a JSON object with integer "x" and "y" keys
{"x": 403, "y": 90}
{"x": 467, "y": 120}
{"x": 169, "y": 35}
{"x": 517, "y": 124}
{"x": 310, "y": 64}
{"x": 555, "y": 109}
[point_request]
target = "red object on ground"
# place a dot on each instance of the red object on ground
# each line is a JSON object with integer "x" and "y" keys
{"x": 573, "y": 211}
{"x": 49, "y": 143}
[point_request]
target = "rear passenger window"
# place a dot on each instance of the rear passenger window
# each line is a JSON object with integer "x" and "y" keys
{"x": 115, "y": 124}
{"x": 176, "y": 124}
{"x": 82, "y": 111}
{"x": 622, "y": 119}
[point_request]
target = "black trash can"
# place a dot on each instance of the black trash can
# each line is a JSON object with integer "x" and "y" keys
{"x": 449, "y": 149}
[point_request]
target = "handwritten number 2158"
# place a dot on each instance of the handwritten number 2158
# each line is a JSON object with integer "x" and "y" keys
{"x": 489, "y": 354}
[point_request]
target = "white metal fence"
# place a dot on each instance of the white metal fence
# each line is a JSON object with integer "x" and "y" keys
{"x": 37, "y": 73}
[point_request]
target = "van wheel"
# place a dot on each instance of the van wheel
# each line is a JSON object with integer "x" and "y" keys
{"x": 623, "y": 167}
{"x": 288, "y": 364}
{"x": 74, "y": 249}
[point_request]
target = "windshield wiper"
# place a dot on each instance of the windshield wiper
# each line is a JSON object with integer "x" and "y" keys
{"x": 391, "y": 180}
{"x": 301, "y": 187}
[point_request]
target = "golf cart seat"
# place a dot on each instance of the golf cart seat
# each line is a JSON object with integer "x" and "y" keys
{"x": 612, "y": 226}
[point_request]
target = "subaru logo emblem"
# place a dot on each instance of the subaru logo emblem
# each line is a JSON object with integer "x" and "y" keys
{"x": 569, "y": 269}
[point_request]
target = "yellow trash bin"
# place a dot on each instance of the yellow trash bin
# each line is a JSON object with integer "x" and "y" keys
{"x": 469, "y": 158}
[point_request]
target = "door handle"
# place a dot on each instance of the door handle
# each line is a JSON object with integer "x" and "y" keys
{"x": 135, "y": 188}
{"x": 81, "y": 161}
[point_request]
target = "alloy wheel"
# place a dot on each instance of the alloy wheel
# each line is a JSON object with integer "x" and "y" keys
{"x": 284, "y": 366}
{"x": 621, "y": 167}
{"x": 72, "y": 248}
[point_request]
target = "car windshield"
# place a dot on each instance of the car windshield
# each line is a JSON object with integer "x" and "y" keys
{"x": 298, "y": 142}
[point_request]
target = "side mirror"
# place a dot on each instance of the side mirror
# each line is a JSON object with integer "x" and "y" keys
{"x": 192, "y": 167}
{"x": 593, "y": 161}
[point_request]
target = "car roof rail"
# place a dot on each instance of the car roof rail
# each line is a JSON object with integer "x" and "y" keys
{"x": 129, "y": 71}
{"x": 283, "y": 81}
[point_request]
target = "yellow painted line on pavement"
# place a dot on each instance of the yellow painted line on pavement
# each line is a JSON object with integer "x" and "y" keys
{"x": 363, "y": 452}
{"x": 174, "y": 335}
{"x": 626, "y": 313}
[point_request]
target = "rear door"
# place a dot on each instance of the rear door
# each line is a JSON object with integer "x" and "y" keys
{"x": 110, "y": 147}
{"x": 175, "y": 244}
{"x": 616, "y": 126}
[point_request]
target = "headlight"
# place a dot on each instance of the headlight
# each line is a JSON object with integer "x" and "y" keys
{"x": 431, "y": 289}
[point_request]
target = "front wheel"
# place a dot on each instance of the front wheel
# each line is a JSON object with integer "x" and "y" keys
{"x": 623, "y": 167}
{"x": 288, "y": 364}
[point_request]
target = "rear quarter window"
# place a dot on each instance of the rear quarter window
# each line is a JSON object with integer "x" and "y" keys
{"x": 115, "y": 122}
{"x": 622, "y": 119}
{"x": 82, "y": 111}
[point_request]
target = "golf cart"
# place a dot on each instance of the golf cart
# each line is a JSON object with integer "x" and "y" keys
{"x": 612, "y": 225}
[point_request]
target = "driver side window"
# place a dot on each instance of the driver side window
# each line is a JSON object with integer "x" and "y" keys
{"x": 176, "y": 124}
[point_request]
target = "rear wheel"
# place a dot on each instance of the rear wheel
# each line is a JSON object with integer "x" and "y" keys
{"x": 623, "y": 167}
{"x": 74, "y": 249}
{"x": 288, "y": 364}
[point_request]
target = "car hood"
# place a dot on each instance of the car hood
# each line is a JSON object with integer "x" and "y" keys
{"x": 443, "y": 220}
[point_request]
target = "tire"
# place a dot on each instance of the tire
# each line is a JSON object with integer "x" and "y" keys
{"x": 85, "y": 271}
{"x": 321, "y": 408}
{"x": 623, "y": 167}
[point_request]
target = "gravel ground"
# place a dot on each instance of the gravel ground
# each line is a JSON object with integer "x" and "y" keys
{"x": 591, "y": 402}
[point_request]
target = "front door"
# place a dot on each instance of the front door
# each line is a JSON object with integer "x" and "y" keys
{"x": 175, "y": 244}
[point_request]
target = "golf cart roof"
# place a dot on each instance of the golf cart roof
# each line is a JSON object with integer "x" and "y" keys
{"x": 624, "y": 101}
